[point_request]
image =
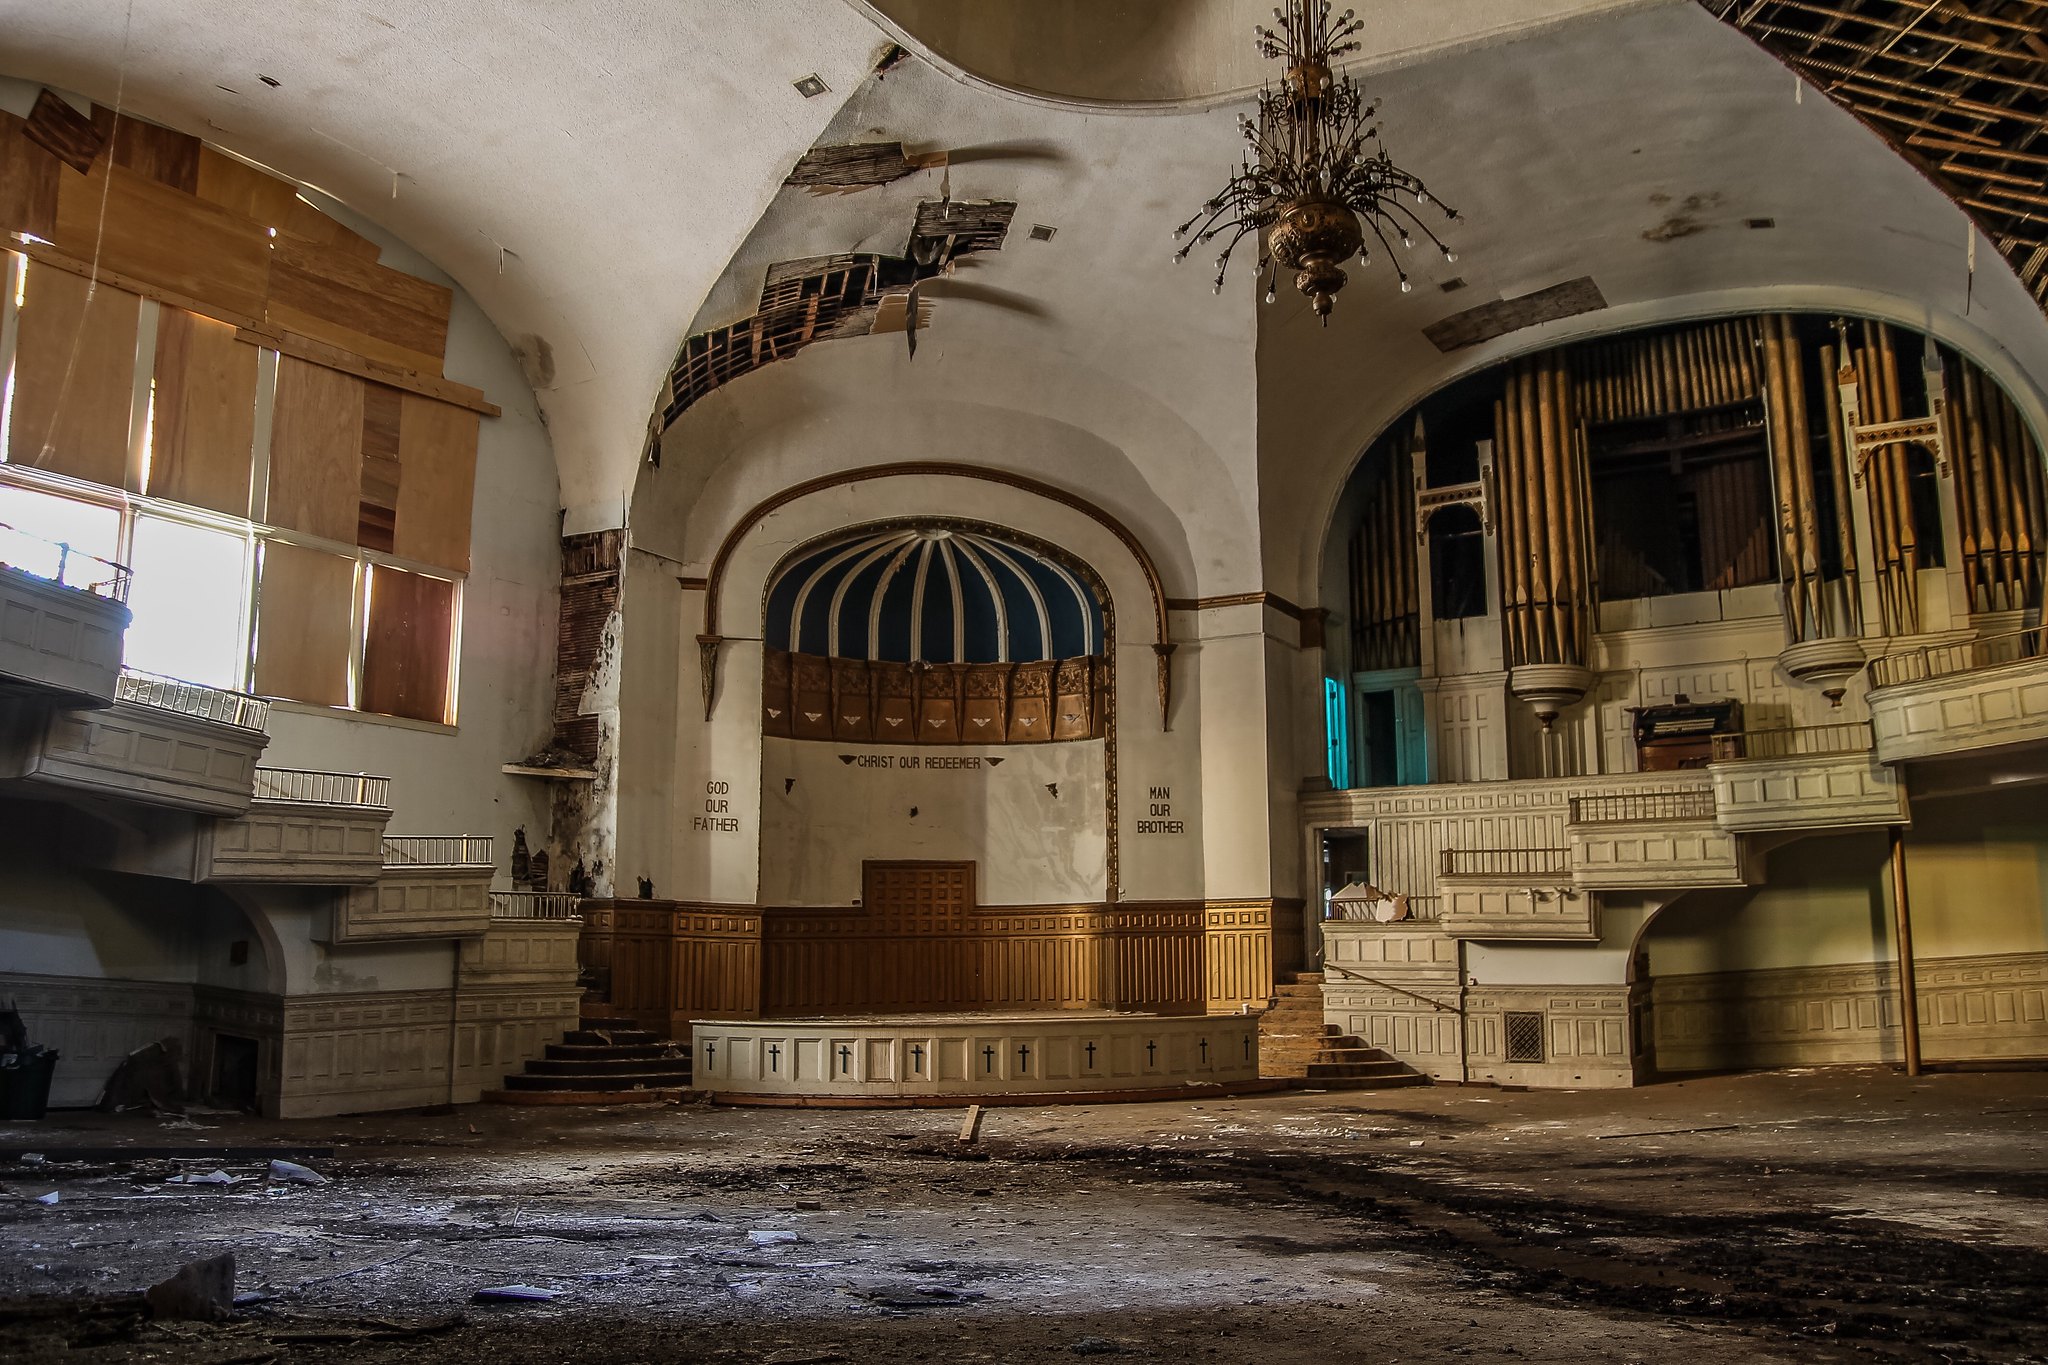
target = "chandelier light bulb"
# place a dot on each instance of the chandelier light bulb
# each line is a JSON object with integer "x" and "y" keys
{"x": 1406, "y": 240}
{"x": 1450, "y": 255}
{"x": 1406, "y": 287}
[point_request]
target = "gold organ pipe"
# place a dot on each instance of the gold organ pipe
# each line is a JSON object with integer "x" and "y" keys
{"x": 1838, "y": 468}
{"x": 1973, "y": 468}
{"x": 1802, "y": 471}
{"x": 1777, "y": 430}
{"x": 1508, "y": 481}
{"x": 1541, "y": 599}
{"x": 1545, "y": 374}
{"x": 2025, "y": 532}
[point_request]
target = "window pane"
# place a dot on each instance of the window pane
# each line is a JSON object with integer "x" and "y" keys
{"x": 189, "y": 596}
{"x": 406, "y": 647}
{"x": 86, "y": 527}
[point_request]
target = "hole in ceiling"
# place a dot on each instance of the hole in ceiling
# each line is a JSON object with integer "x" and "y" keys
{"x": 811, "y": 86}
{"x": 1041, "y": 232}
{"x": 1758, "y": 224}
{"x": 1453, "y": 285}
{"x": 270, "y": 81}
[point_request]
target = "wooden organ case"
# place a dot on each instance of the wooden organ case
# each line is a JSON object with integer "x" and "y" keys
{"x": 1681, "y": 734}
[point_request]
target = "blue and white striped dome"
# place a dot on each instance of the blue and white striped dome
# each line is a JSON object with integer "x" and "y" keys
{"x": 937, "y": 595}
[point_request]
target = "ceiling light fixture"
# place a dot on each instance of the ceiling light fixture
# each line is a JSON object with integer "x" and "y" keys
{"x": 1315, "y": 174}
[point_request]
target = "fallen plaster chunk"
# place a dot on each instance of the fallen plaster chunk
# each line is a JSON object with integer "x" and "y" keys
{"x": 294, "y": 1172}
{"x": 514, "y": 1293}
{"x": 47, "y": 1199}
{"x": 764, "y": 1237}
{"x": 201, "y": 1291}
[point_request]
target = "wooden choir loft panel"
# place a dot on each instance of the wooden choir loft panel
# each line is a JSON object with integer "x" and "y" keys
{"x": 805, "y": 696}
{"x": 74, "y": 378}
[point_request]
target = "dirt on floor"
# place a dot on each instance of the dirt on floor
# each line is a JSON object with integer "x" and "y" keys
{"x": 1789, "y": 1216}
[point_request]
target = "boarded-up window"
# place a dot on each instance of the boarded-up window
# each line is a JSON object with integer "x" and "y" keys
{"x": 304, "y": 605}
{"x": 316, "y": 451}
{"x": 405, "y": 648}
{"x": 437, "y": 480}
{"x": 74, "y": 378}
{"x": 203, "y": 414}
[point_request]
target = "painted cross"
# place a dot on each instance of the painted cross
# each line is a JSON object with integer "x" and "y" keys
{"x": 917, "y": 1057}
{"x": 1150, "y": 1048}
{"x": 845, "y": 1059}
{"x": 1205, "y": 1049}
{"x": 1024, "y": 1056}
{"x": 775, "y": 1056}
{"x": 988, "y": 1059}
{"x": 1247, "y": 1047}
{"x": 1091, "y": 1056}
{"x": 710, "y": 1055}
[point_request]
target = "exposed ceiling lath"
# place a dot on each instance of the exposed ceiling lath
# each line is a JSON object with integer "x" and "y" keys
{"x": 1959, "y": 87}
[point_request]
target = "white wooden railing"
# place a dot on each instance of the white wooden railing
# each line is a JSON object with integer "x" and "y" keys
{"x": 62, "y": 565}
{"x": 192, "y": 699}
{"x": 437, "y": 850}
{"x": 315, "y": 788}
{"x": 1635, "y": 806}
{"x": 1799, "y": 741}
{"x": 1940, "y": 661}
{"x": 551, "y": 905}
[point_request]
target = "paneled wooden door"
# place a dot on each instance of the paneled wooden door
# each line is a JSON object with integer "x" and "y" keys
{"x": 924, "y": 958}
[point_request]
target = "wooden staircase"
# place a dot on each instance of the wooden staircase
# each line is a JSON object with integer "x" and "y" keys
{"x": 605, "y": 1060}
{"x": 1295, "y": 1043}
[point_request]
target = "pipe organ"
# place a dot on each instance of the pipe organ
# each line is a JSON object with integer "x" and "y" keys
{"x": 1999, "y": 497}
{"x": 1385, "y": 606}
{"x": 1546, "y": 578}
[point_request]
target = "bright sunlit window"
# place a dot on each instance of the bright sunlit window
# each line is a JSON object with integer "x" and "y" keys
{"x": 190, "y": 598}
{"x": 86, "y": 527}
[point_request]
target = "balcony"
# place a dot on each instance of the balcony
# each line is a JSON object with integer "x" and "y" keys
{"x": 429, "y": 886}
{"x": 1514, "y": 893}
{"x": 161, "y": 743}
{"x": 1936, "y": 700}
{"x": 62, "y": 618}
{"x": 306, "y": 828}
{"x": 1803, "y": 778}
{"x": 1650, "y": 841}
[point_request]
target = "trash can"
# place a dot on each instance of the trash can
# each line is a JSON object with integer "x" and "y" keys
{"x": 25, "y": 1089}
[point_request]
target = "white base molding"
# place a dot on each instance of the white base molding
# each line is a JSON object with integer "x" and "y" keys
{"x": 954, "y": 1055}
{"x": 1971, "y": 1009}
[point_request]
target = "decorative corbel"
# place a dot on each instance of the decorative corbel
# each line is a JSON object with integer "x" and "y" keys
{"x": 1163, "y": 652}
{"x": 707, "y": 667}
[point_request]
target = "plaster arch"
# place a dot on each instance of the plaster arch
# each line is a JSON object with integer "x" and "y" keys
{"x": 251, "y": 908}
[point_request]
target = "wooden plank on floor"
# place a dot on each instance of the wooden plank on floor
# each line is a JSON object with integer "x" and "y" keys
{"x": 316, "y": 451}
{"x": 205, "y": 415}
{"x": 75, "y": 424}
{"x": 437, "y": 482}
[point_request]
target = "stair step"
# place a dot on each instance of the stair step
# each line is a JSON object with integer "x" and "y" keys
{"x": 1334, "y": 1069}
{"x": 594, "y": 1097}
{"x": 588, "y": 1037}
{"x": 672, "y": 1078}
{"x": 606, "y": 1066}
{"x": 569, "y": 1052}
{"x": 1368, "y": 1082}
{"x": 1298, "y": 978}
{"x": 606, "y": 1021}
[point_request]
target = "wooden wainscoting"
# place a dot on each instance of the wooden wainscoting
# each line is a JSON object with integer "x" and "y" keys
{"x": 671, "y": 962}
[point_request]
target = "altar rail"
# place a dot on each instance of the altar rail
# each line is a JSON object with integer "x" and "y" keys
{"x": 665, "y": 963}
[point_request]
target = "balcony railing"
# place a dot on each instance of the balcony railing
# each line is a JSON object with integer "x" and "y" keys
{"x": 1940, "y": 661}
{"x": 437, "y": 850}
{"x": 314, "y": 788}
{"x": 1507, "y": 862}
{"x": 62, "y": 565}
{"x": 1799, "y": 741}
{"x": 553, "y": 905}
{"x": 1639, "y": 806}
{"x": 191, "y": 699}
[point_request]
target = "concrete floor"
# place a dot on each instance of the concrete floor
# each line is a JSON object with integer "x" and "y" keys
{"x": 1789, "y": 1216}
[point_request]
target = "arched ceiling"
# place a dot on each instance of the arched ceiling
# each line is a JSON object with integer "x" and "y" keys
{"x": 606, "y": 178}
{"x": 614, "y": 153}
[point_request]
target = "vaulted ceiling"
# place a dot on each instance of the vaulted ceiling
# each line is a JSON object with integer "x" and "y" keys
{"x": 606, "y": 179}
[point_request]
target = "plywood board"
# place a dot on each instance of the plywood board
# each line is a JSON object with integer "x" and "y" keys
{"x": 309, "y": 224}
{"x": 75, "y": 423}
{"x": 384, "y": 314}
{"x": 383, "y": 409}
{"x": 406, "y": 647}
{"x": 165, "y": 155}
{"x": 165, "y": 237}
{"x": 68, "y": 134}
{"x": 305, "y": 603}
{"x": 243, "y": 190}
{"x": 204, "y": 420}
{"x": 316, "y": 450}
{"x": 28, "y": 182}
{"x": 437, "y": 482}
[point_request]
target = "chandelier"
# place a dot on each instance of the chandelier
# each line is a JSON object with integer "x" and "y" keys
{"x": 1315, "y": 178}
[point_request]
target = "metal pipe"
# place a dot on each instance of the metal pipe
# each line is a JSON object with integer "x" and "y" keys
{"x": 1838, "y": 467}
{"x": 1543, "y": 625}
{"x": 1909, "y": 994}
{"x": 1777, "y": 413}
{"x": 1508, "y": 479}
{"x": 1973, "y": 461}
{"x": 1574, "y": 539}
{"x": 1554, "y": 511}
{"x": 1802, "y": 472}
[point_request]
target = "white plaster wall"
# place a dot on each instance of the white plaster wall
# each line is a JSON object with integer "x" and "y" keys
{"x": 447, "y": 780}
{"x": 651, "y": 701}
{"x": 1031, "y": 845}
{"x": 1605, "y": 963}
{"x": 57, "y": 921}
